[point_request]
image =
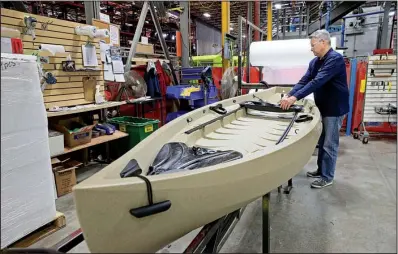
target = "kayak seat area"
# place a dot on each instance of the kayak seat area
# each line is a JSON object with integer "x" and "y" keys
{"x": 177, "y": 156}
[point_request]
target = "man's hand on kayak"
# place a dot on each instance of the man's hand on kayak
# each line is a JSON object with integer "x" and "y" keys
{"x": 286, "y": 102}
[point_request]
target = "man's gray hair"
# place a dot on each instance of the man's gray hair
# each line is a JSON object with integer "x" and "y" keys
{"x": 321, "y": 35}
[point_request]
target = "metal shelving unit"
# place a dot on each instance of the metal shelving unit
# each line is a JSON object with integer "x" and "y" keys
{"x": 380, "y": 88}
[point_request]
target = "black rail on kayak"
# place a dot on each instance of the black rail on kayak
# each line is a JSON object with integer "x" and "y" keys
{"x": 284, "y": 135}
{"x": 269, "y": 107}
{"x": 212, "y": 121}
{"x": 260, "y": 106}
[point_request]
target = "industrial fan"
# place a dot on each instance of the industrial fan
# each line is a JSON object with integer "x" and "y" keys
{"x": 134, "y": 86}
{"x": 136, "y": 83}
{"x": 229, "y": 84}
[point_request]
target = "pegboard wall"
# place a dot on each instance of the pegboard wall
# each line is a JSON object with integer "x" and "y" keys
{"x": 69, "y": 90}
{"x": 380, "y": 89}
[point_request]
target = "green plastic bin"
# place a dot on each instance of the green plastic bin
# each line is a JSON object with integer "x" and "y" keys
{"x": 137, "y": 128}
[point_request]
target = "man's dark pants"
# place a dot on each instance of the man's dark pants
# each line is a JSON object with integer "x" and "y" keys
{"x": 328, "y": 146}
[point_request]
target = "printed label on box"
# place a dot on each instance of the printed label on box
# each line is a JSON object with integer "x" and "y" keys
{"x": 122, "y": 127}
{"x": 81, "y": 135}
{"x": 148, "y": 128}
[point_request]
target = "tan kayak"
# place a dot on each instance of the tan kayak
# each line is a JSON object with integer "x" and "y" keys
{"x": 194, "y": 170}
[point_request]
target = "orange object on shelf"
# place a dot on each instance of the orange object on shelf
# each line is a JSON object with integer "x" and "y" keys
{"x": 178, "y": 44}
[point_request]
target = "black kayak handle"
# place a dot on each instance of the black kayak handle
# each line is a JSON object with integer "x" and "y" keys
{"x": 134, "y": 170}
{"x": 218, "y": 109}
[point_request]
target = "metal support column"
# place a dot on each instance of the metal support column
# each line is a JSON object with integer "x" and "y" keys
{"x": 184, "y": 29}
{"x": 307, "y": 17}
{"x": 242, "y": 21}
{"x": 300, "y": 20}
{"x": 137, "y": 35}
{"x": 240, "y": 26}
{"x": 328, "y": 8}
{"x": 225, "y": 26}
{"x": 257, "y": 19}
{"x": 384, "y": 32}
{"x": 284, "y": 24}
{"x": 277, "y": 24}
{"x": 149, "y": 5}
{"x": 342, "y": 39}
{"x": 266, "y": 224}
{"x": 162, "y": 41}
{"x": 248, "y": 39}
{"x": 269, "y": 21}
{"x": 91, "y": 11}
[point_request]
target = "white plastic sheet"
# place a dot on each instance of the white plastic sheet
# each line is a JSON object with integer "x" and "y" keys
{"x": 283, "y": 61}
{"x": 27, "y": 187}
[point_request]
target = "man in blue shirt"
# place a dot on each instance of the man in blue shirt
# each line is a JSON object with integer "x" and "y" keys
{"x": 326, "y": 77}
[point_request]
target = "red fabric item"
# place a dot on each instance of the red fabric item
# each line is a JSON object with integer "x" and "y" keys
{"x": 161, "y": 77}
{"x": 17, "y": 47}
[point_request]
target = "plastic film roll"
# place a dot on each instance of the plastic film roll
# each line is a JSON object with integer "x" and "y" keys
{"x": 102, "y": 33}
{"x": 86, "y": 30}
{"x": 282, "y": 53}
{"x": 283, "y": 61}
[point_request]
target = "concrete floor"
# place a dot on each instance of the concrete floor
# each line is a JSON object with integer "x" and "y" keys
{"x": 356, "y": 214}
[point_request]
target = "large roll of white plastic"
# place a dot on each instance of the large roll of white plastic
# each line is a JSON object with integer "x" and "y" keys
{"x": 282, "y": 53}
{"x": 283, "y": 61}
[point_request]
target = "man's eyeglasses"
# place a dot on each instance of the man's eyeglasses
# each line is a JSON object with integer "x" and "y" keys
{"x": 313, "y": 45}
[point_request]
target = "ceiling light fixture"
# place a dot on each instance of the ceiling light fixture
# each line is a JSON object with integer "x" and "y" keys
{"x": 207, "y": 15}
{"x": 278, "y": 6}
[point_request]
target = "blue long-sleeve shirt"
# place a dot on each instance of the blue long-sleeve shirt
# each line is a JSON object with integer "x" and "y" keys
{"x": 327, "y": 79}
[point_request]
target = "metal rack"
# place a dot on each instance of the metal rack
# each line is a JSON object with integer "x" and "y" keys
{"x": 380, "y": 88}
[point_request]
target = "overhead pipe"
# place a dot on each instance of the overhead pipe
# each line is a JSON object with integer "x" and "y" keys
{"x": 363, "y": 14}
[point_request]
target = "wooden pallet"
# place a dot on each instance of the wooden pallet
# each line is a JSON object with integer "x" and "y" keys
{"x": 42, "y": 232}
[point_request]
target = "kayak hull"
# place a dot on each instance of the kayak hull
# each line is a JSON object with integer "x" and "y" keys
{"x": 198, "y": 196}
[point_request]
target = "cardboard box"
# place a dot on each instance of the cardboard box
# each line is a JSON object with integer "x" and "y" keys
{"x": 75, "y": 131}
{"x": 145, "y": 48}
{"x": 56, "y": 142}
{"x": 65, "y": 175}
{"x": 89, "y": 84}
